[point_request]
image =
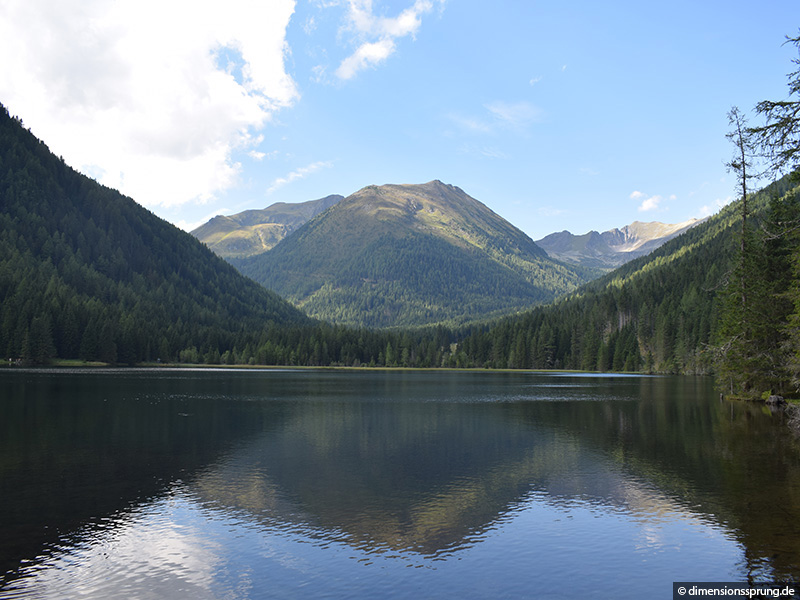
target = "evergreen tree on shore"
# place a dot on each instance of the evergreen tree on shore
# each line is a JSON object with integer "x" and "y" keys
{"x": 758, "y": 332}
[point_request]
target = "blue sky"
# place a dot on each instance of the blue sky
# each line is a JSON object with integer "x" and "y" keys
{"x": 557, "y": 115}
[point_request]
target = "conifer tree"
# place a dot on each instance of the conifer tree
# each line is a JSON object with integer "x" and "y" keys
{"x": 779, "y": 138}
{"x": 736, "y": 360}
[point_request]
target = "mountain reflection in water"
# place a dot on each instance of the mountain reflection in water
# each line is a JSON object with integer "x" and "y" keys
{"x": 212, "y": 482}
{"x": 418, "y": 477}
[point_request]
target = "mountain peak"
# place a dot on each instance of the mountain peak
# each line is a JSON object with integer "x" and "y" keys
{"x": 410, "y": 254}
{"x": 615, "y": 247}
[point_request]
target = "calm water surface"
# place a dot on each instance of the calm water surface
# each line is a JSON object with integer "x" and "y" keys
{"x": 327, "y": 484}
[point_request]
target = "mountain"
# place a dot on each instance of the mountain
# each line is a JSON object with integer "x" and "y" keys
{"x": 659, "y": 312}
{"x": 404, "y": 255}
{"x": 256, "y": 231}
{"x": 87, "y": 273}
{"x": 610, "y": 249}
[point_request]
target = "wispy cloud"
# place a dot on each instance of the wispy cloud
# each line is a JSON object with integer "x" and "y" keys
{"x": 470, "y": 124}
{"x": 500, "y": 115}
{"x": 549, "y": 211}
{"x": 300, "y": 173}
{"x": 158, "y": 106}
{"x": 376, "y": 35}
{"x": 514, "y": 114}
{"x": 484, "y": 151}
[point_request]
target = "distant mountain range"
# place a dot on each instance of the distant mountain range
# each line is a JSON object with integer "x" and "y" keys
{"x": 256, "y": 231}
{"x": 610, "y": 249}
{"x": 351, "y": 266}
{"x": 403, "y": 255}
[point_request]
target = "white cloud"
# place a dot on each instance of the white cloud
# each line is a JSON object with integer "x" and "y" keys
{"x": 648, "y": 202}
{"x": 367, "y": 55}
{"x": 153, "y": 97}
{"x": 300, "y": 173}
{"x": 376, "y": 35}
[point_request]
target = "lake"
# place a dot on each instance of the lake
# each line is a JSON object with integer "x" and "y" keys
{"x": 166, "y": 483}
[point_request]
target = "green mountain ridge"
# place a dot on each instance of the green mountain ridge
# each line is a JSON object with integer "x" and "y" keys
{"x": 408, "y": 255}
{"x": 256, "y": 231}
{"x": 87, "y": 273}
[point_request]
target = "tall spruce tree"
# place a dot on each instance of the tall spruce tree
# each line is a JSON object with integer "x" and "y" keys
{"x": 737, "y": 356}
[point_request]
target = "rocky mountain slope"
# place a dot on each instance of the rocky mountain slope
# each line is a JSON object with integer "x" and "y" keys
{"x": 610, "y": 249}
{"x": 256, "y": 231}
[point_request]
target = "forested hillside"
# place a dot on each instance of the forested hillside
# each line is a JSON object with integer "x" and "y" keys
{"x": 410, "y": 255}
{"x": 87, "y": 273}
{"x": 656, "y": 313}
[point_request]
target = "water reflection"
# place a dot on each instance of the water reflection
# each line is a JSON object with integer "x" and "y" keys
{"x": 406, "y": 476}
{"x": 216, "y": 484}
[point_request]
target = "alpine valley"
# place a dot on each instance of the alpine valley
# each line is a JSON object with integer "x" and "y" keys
{"x": 416, "y": 254}
{"x": 86, "y": 273}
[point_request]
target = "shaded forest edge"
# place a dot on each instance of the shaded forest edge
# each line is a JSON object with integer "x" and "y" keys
{"x": 87, "y": 274}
